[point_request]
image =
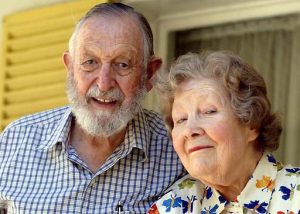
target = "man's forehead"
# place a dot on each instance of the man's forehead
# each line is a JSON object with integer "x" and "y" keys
{"x": 115, "y": 30}
{"x": 111, "y": 24}
{"x": 109, "y": 50}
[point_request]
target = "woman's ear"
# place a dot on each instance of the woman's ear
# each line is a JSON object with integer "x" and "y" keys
{"x": 153, "y": 66}
{"x": 252, "y": 135}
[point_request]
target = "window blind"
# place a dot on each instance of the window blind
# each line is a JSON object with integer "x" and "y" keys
{"x": 32, "y": 75}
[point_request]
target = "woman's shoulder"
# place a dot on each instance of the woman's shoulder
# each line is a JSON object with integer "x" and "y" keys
{"x": 186, "y": 189}
{"x": 288, "y": 175}
{"x": 287, "y": 189}
{"x": 185, "y": 185}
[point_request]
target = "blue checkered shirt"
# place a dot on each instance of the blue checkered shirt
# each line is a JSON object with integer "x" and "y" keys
{"x": 41, "y": 173}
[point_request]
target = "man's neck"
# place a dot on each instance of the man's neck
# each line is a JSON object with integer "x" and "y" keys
{"x": 94, "y": 150}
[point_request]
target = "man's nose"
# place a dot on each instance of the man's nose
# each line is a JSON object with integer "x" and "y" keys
{"x": 194, "y": 129}
{"x": 106, "y": 78}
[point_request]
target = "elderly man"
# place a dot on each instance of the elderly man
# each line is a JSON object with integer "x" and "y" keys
{"x": 104, "y": 152}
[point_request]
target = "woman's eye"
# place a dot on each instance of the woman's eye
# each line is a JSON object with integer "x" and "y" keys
{"x": 180, "y": 121}
{"x": 212, "y": 111}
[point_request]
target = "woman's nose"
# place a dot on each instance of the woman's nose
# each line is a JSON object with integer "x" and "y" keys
{"x": 106, "y": 78}
{"x": 194, "y": 129}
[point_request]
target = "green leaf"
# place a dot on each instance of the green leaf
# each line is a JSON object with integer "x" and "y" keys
{"x": 186, "y": 184}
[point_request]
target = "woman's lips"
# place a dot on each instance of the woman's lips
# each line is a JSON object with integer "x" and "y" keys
{"x": 197, "y": 148}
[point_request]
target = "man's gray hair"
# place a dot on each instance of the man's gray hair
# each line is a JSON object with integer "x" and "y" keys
{"x": 118, "y": 10}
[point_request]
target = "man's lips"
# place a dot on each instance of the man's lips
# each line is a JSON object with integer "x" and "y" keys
{"x": 197, "y": 148}
{"x": 104, "y": 101}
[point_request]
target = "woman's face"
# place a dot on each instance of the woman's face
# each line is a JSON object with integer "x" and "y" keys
{"x": 208, "y": 138}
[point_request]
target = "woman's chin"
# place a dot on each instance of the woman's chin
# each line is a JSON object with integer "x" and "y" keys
{"x": 202, "y": 171}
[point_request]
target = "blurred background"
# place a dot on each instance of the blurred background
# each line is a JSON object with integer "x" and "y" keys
{"x": 34, "y": 33}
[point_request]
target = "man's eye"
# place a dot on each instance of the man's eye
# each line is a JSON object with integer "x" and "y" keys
{"x": 89, "y": 65}
{"x": 122, "y": 68}
{"x": 88, "y": 62}
{"x": 122, "y": 65}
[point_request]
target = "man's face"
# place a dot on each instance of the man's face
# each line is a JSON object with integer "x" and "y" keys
{"x": 106, "y": 78}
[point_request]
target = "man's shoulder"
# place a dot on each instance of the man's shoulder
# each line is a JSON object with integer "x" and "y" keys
{"x": 155, "y": 122}
{"x": 39, "y": 118}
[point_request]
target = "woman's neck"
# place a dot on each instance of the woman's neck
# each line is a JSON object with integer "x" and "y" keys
{"x": 230, "y": 186}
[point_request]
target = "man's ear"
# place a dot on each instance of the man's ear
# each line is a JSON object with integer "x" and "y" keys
{"x": 153, "y": 66}
{"x": 67, "y": 60}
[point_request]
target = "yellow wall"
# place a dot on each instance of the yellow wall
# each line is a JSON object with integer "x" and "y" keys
{"x": 32, "y": 75}
{"x": 14, "y": 6}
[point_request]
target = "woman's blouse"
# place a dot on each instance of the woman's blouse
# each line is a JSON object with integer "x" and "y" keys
{"x": 273, "y": 188}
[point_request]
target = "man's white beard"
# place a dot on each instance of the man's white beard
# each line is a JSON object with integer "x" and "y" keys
{"x": 103, "y": 123}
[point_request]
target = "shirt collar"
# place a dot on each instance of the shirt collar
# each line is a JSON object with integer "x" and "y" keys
{"x": 257, "y": 193}
{"x": 137, "y": 135}
{"x": 60, "y": 133}
{"x": 213, "y": 202}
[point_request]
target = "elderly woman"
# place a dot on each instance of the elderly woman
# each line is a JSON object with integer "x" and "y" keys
{"x": 223, "y": 130}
